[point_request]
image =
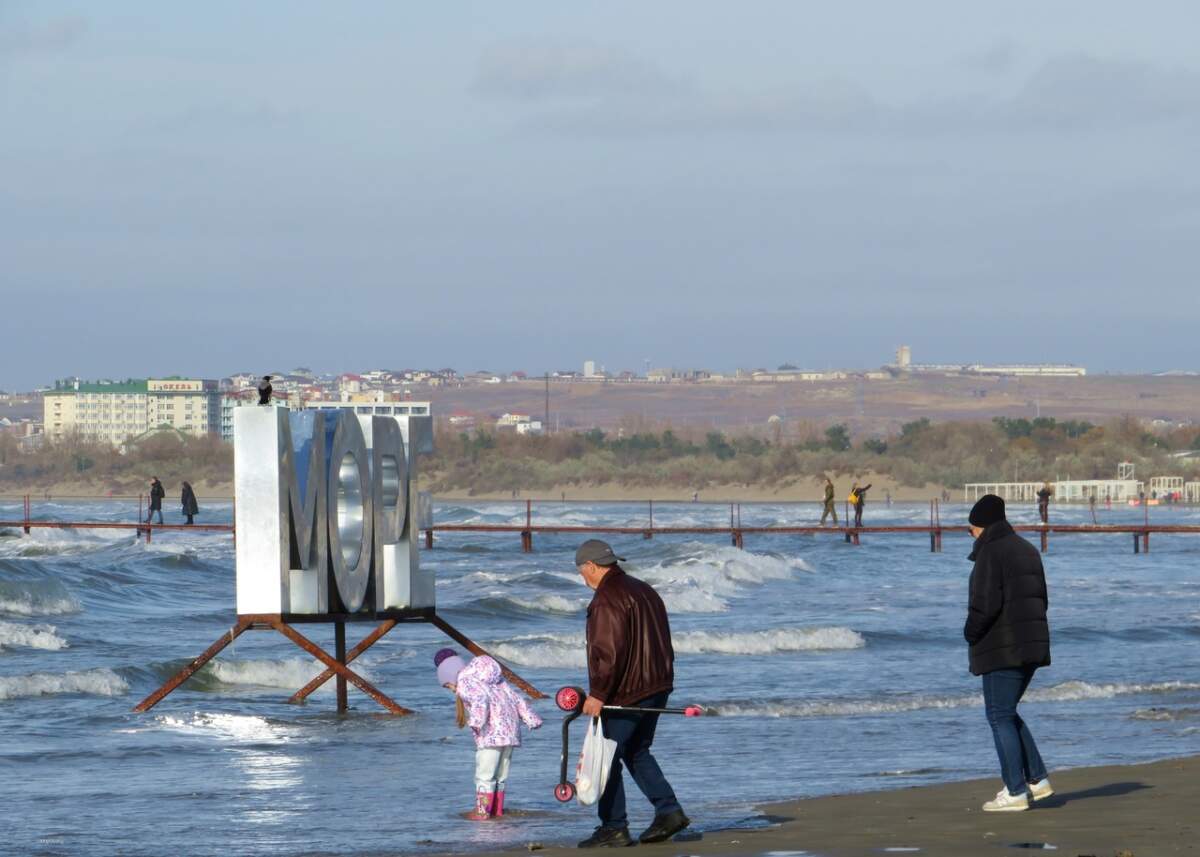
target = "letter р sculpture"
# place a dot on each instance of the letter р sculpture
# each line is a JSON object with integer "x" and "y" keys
{"x": 326, "y": 532}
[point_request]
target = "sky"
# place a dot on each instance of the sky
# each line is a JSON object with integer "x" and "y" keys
{"x": 200, "y": 189}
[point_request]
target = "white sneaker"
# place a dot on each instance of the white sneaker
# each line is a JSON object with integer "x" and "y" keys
{"x": 1004, "y": 802}
{"x": 1041, "y": 789}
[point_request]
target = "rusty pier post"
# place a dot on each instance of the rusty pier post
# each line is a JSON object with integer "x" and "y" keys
{"x": 527, "y": 533}
{"x": 339, "y": 653}
{"x": 649, "y": 534}
{"x": 429, "y": 539}
{"x": 1045, "y": 538}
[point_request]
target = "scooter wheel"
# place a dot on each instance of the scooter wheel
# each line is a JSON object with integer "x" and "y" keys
{"x": 567, "y": 698}
{"x": 564, "y": 792}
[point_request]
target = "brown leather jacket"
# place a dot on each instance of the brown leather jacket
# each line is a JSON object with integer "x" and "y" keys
{"x": 628, "y": 641}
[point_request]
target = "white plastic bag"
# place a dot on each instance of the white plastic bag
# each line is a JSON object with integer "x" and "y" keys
{"x": 595, "y": 763}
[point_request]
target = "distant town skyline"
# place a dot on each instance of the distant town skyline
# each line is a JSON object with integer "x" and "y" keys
{"x": 201, "y": 191}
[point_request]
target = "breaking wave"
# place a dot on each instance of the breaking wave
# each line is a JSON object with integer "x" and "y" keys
{"x": 36, "y": 598}
{"x": 30, "y": 636}
{"x": 97, "y": 682}
{"x": 1070, "y": 691}
{"x": 287, "y": 673}
{"x": 567, "y": 650}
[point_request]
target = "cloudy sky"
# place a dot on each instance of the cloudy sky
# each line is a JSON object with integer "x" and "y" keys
{"x": 203, "y": 188}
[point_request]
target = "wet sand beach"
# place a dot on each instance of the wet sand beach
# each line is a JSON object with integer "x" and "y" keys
{"x": 1145, "y": 810}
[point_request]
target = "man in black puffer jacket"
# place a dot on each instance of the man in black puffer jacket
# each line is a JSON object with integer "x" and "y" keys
{"x": 1009, "y": 639}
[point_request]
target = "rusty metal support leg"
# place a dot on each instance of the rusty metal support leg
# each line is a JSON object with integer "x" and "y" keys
{"x": 429, "y": 539}
{"x": 472, "y": 647}
{"x": 367, "y": 641}
{"x": 856, "y": 541}
{"x": 339, "y": 652}
{"x": 1146, "y": 542}
{"x": 339, "y": 669}
{"x": 1045, "y": 540}
{"x": 526, "y": 541}
{"x": 1135, "y": 544}
{"x": 191, "y": 669}
{"x": 739, "y": 539}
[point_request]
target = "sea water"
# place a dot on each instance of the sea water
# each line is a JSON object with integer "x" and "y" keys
{"x": 827, "y": 668}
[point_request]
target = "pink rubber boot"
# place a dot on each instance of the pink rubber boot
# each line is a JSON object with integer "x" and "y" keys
{"x": 498, "y": 805}
{"x": 483, "y": 806}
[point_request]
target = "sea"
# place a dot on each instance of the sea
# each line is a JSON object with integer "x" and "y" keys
{"x": 824, "y": 667}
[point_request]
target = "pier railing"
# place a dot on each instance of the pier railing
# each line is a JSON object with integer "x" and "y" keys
{"x": 736, "y": 531}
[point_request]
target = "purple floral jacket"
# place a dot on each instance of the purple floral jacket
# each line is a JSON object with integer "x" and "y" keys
{"x": 494, "y": 710}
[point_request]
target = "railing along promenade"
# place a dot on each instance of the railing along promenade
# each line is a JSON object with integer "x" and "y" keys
{"x": 736, "y": 531}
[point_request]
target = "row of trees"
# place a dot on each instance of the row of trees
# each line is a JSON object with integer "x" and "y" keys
{"x": 920, "y": 452}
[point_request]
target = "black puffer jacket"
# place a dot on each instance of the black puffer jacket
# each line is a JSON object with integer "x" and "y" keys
{"x": 1006, "y": 615}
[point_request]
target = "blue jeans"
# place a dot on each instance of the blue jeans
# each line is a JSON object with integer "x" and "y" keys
{"x": 150, "y": 517}
{"x": 1020, "y": 761}
{"x": 634, "y": 733}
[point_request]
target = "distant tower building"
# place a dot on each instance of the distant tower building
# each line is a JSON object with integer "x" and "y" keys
{"x": 904, "y": 357}
{"x": 589, "y": 368}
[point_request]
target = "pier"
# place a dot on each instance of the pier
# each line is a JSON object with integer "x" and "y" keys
{"x": 735, "y": 531}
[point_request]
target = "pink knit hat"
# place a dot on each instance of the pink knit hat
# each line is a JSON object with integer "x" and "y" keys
{"x": 449, "y": 665}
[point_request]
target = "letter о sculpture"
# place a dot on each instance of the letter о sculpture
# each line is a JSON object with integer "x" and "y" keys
{"x": 326, "y": 516}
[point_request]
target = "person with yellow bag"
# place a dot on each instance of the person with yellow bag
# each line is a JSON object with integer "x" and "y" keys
{"x": 857, "y": 498}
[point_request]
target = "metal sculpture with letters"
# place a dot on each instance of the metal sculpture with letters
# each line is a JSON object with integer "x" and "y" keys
{"x": 326, "y": 531}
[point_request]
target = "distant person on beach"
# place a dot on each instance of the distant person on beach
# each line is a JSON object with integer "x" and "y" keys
{"x": 830, "y": 505}
{"x": 1009, "y": 639}
{"x": 695, "y": 496}
{"x": 188, "y": 501}
{"x": 1044, "y": 496}
{"x": 887, "y": 497}
{"x": 157, "y": 493}
{"x": 858, "y": 499}
{"x": 487, "y": 703}
{"x": 264, "y": 390}
{"x": 630, "y": 663}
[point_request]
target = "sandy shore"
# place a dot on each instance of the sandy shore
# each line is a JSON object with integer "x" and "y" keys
{"x": 1142, "y": 810}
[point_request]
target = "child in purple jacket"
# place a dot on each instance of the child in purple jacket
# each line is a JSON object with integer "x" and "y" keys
{"x": 494, "y": 711}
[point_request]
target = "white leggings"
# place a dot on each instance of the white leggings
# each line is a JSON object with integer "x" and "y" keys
{"x": 491, "y": 768}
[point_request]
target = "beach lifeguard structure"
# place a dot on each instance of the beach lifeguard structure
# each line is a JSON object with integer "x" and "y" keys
{"x": 326, "y": 518}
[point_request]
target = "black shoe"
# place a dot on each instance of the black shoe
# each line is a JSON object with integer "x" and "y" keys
{"x": 608, "y": 837}
{"x": 664, "y": 827}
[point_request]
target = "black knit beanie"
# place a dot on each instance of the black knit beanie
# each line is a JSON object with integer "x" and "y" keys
{"x": 987, "y": 511}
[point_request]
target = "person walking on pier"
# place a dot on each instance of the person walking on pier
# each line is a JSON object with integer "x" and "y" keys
{"x": 830, "y": 505}
{"x": 1044, "y": 496}
{"x": 157, "y": 493}
{"x": 187, "y": 500}
{"x": 858, "y": 498}
{"x": 1009, "y": 639}
{"x": 630, "y": 663}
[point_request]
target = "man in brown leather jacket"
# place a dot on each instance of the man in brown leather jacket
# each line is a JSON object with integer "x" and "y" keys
{"x": 630, "y": 663}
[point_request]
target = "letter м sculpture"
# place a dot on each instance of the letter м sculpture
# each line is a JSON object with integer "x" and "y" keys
{"x": 326, "y": 533}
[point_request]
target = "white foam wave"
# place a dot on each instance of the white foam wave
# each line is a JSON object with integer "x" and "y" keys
{"x": 564, "y": 651}
{"x": 1070, "y": 691}
{"x": 30, "y": 636}
{"x": 288, "y": 673}
{"x": 768, "y": 642}
{"x": 97, "y": 682}
{"x": 549, "y": 603}
{"x": 25, "y": 604}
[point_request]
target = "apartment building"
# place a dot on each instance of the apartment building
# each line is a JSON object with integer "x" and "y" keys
{"x": 116, "y": 411}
